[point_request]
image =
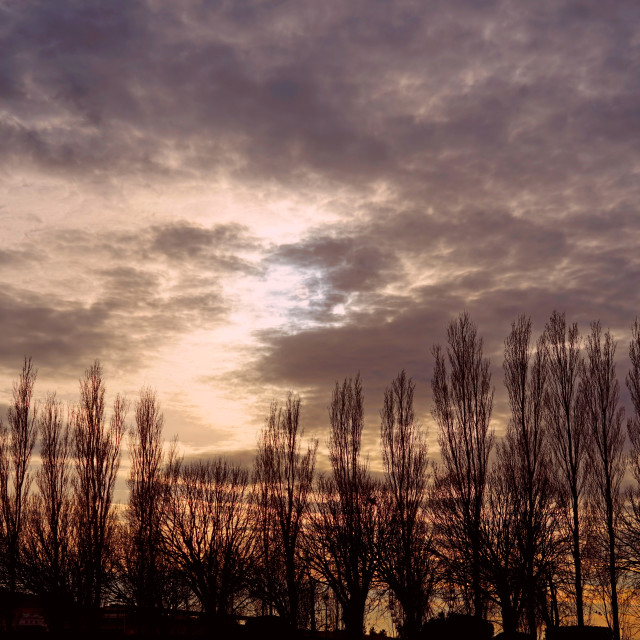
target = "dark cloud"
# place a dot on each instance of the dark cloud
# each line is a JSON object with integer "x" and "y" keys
{"x": 181, "y": 239}
{"x": 478, "y": 156}
{"x": 60, "y": 335}
{"x": 302, "y": 88}
{"x": 138, "y": 303}
{"x": 454, "y": 103}
{"x": 336, "y": 266}
{"x": 125, "y": 326}
{"x": 13, "y": 258}
{"x": 493, "y": 264}
{"x": 214, "y": 248}
{"x": 478, "y": 249}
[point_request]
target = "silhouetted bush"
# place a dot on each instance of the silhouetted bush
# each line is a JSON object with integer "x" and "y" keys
{"x": 268, "y": 627}
{"x": 457, "y": 626}
{"x": 579, "y": 633}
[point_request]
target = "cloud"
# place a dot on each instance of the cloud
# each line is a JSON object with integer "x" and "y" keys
{"x": 10, "y": 257}
{"x": 58, "y": 334}
{"x": 213, "y": 248}
{"x": 494, "y": 264}
{"x": 160, "y": 284}
{"x": 297, "y": 93}
{"x": 449, "y": 156}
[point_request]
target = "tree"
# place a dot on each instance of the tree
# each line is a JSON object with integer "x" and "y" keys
{"x": 523, "y": 458}
{"x": 407, "y": 557}
{"x": 501, "y": 558}
{"x": 463, "y": 401}
{"x": 604, "y": 423}
{"x": 284, "y": 483}
{"x": 97, "y": 453}
{"x": 208, "y": 533}
{"x": 344, "y": 523}
{"x": 50, "y": 543}
{"x": 567, "y": 435}
{"x": 632, "y": 521}
{"x": 143, "y": 573}
{"x": 17, "y": 439}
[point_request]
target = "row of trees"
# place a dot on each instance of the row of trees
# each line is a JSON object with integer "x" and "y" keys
{"x": 548, "y": 518}
{"x": 534, "y": 529}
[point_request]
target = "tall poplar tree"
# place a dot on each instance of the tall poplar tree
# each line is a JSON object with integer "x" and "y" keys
{"x": 96, "y": 447}
{"x": 463, "y": 402}
{"x": 604, "y": 419}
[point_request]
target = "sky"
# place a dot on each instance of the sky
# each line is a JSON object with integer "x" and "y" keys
{"x": 229, "y": 200}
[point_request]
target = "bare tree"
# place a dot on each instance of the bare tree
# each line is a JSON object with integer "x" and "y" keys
{"x": 50, "y": 543}
{"x": 524, "y": 457}
{"x": 142, "y": 570}
{"x": 632, "y": 520}
{"x": 604, "y": 419}
{"x": 284, "y": 483}
{"x": 501, "y": 557}
{"x": 17, "y": 438}
{"x": 208, "y": 534}
{"x": 344, "y": 524}
{"x": 567, "y": 433}
{"x": 407, "y": 557}
{"x": 97, "y": 452}
{"x": 463, "y": 401}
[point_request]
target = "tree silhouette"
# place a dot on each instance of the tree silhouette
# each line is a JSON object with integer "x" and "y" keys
{"x": 344, "y": 524}
{"x": 526, "y": 539}
{"x": 143, "y": 574}
{"x": 501, "y": 558}
{"x": 567, "y": 436}
{"x": 97, "y": 455}
{"x": 407, "y": 555}
{"x": 524, "y": 459}
{"x": 208, "y": 534}
{"x": 17, "y": 439}
{"x": 50, "y": 544}
{"x": 463, "y": 401}
{"x": 604, "y": 421}
{"x": 284, "y": 483}
{"x": 631, "y": 536}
